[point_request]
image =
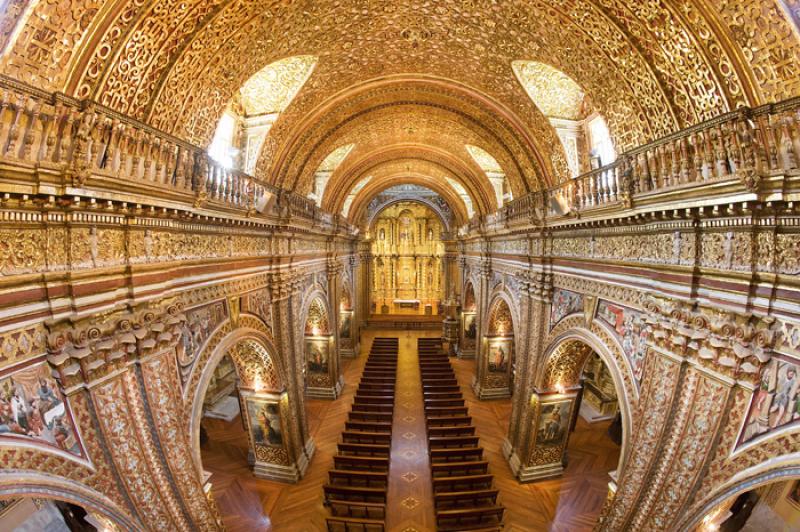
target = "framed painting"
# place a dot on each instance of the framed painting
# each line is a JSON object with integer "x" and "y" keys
{"x": 265, "y": 422}
{"x": 500, "y": 350}
{"x": 553, "y": 424}
{"x": 317, "y": 354}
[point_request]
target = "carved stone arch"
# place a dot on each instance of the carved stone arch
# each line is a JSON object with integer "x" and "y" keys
{"x": 782, "y": 468}
{"x": 16, "y": 483}
{"x": 315, "y": 292}
{"x": 467, "y": 304}
{"x": 568, "y": 348}
{"x": 226, "y": 337}
{"x": 498, "y": 294}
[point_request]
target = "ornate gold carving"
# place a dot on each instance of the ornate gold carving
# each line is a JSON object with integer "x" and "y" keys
{"x": 553, "y": 92}
{"x": 271, "y": 89}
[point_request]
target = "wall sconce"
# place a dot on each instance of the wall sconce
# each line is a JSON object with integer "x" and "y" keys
{"x": 560, "y": 387}
{"x": 258, "y": 384}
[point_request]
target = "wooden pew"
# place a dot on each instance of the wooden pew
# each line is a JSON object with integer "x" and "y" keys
{"x": 464, "y": 483}
{"x": 465, "y": 499}
{"x": 354, "y": 524}
{"x": 365, "y": 449}
{"x": 368, "y": 395}
{"x": 432, "y": 388}
{"x": 366, "y": 437}
{"x": 354, "y": 493}
{"x": 361, "y": 463}
{"x": 454, "y": 469}
{"x": 362, "y": 407}
{"x": 369, "y": 479}
{"x": 452, "y": 442}
{"x": 458, "y": 430}
{"x": 359, "y": 510}
{"x": 444, "y": 402}
{"x": 463, "y": 519}
{"x": 448, "y": 421}
{"x": 369, "y": 426}
{"x": 371, "y": 416}
{"x": 464, "y": 454}
{"x": 448, "y": 381}
{"x": 446, "y": 410}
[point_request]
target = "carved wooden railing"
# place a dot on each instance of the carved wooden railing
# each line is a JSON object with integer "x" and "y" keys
{"x": 745, "y": 145}
{"x": 87, "y": 143}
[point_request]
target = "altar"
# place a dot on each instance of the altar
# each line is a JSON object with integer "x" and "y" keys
{"x": 406, "y": 305}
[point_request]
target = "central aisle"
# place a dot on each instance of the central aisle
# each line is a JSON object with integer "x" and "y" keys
{"x": 410, "y": 493}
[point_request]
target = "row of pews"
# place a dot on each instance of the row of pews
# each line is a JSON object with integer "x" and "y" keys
{"x": 463, "y": 489}
{"x": 356, "y": 491}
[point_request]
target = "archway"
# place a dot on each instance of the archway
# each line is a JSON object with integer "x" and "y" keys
{"x": 31, "y": 514}
{"x": 244, "y": 366}
{"x": 321, "y": 368}
{"x": 469, "y": 323}
{"x": 407, "y": 251}
{"x": 496, "y": 366}
{"x": 19, "y": 486}
{"x": 765, "y": 502}
{"x": 578, "y": 367}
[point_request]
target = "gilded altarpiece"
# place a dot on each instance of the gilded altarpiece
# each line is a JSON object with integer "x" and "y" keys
{"x": 407, "y": 255}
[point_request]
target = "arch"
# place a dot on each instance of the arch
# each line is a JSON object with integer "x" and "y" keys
{"x": 16, "y": 483}
{"x": 219, "y": 349}
{"x": 469, "y": 302}
{"x": 564, "y": 359}
{"x": 500, "y": 294}
{"x": 749, "y": 479}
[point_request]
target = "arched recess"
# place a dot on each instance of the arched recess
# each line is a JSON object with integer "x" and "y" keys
{"x": 446, "y": 223}
{"x": 781, "y": 468}
{"x": 16, "y": 484}
{"x": 496, "y": 364}
{"x": 262, "y": 382}
{"x": 321, "y": 354}
{"x": 469, "y": 322}
{"x": 347, "y": 333}
{"x": 564, "y": 360}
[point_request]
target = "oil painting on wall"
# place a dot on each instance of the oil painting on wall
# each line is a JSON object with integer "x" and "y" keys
{"x": 499, "y": 354}
{"x": 631, "y": 331}
{"x": 553, "y": 424}
{"x": 265, "y": 422}
{"x": 776, "y": 403}
{"x": 32, "y": 408}
{"x": 470, "y": 330}
{"x": 564, "y": 304}
{"x": 317, "y": 355}
{"x": 346, "y": 324}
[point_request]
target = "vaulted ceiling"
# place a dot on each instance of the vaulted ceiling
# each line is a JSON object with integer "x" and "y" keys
{"x": 412, "y": 80}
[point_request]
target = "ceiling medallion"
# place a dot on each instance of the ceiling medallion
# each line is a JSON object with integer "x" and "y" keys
{"x": 415, "y": 35}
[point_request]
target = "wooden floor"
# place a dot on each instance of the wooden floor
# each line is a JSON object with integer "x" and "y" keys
{"x": 569, "y": 503}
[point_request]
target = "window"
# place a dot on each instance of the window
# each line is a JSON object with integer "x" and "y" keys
{"x": 221, "y": 148}
{"x": 602, "y": 146}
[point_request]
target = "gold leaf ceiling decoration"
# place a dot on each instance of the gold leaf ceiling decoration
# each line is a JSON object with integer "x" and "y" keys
{"x": 335, "y": 158}
{"x": 273, "y": 88}
{"x": 649, "y": 68}
{"x": 554, "y": 93}
{"x": 484, "y": 160}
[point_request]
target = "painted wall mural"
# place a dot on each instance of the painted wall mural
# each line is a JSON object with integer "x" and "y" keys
{"x": 259, "y": 303}
{"x": 32, "y": 408}
{"x": 630, "y": 329}
{"x": 200, "y": 323}
{"x": 776, "y": 403}
{"x": 564, "y": 303}
{"x": 317, "y": 361}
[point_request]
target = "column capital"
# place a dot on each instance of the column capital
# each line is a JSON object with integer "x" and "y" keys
{"x": 725, "y": 342}
{"x": 85, "y": 350}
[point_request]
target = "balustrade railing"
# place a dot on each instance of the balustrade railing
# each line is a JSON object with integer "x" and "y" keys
{"x": 87, "y": 140}
{"x": 747, "y": 144}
